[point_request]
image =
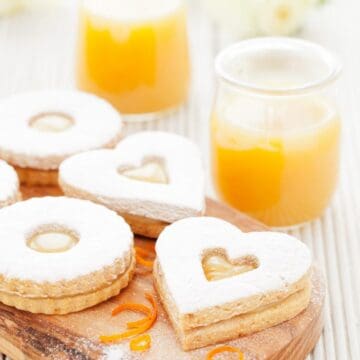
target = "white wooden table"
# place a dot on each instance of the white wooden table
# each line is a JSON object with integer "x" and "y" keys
{"x": 37, "y": 51}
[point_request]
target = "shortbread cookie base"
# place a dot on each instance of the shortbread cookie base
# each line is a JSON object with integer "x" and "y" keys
{"x": 210, "y": 316}
{"x": 85, "y": 284}
{"x": 140, "y": 225}
{"x": 144, "y": 226}
{"x": 35, "y": 177}
{"x": 11, "y": 200}
{"x": 70, "y": 304}
{"x": 239, "y": 325}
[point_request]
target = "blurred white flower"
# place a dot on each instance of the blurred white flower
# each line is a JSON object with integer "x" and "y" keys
{"x": 260, "y": 17}
{"x": 281, "y": 17}
{"x": 8, "y": 7}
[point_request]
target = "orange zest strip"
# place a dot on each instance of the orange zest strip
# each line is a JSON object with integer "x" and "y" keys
{"x": 117, "y": 337}
{"x": 135, "y": 324}
{"x": 211, "y": 355}
{"x": 132, "y": 307}
{"x": 144, "y": 262}
{"x": 136, "y": 327}
{"x": 152, "y": 301}
{"x": 141, "y": 343}
{"x": 141, "y": 254}
{"x": 126, "y": 334}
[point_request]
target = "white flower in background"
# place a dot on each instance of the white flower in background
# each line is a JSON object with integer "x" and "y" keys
{"x": 8, "y": 7}
{"x": 281, "y": 17}
{"x": 261, "y": 17}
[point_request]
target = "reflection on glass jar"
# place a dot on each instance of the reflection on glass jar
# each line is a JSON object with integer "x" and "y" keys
{"x": 275, "y": 129}
{"x": 134, "y": 54}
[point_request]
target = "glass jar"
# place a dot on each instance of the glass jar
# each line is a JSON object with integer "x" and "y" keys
{"x": 134, "y": 54}
{"x": 275, "y": 129}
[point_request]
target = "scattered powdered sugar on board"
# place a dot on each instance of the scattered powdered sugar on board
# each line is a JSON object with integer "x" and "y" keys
{"x": 117, "y": 352}
{"x": 108, "y": 352}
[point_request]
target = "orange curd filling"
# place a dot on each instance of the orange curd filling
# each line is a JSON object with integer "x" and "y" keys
{"x": 282, "y": 176}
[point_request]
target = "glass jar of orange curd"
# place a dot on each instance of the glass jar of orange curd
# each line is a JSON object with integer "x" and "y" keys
{"x": 134, "y": 53}
{"x": 275, "y": 129}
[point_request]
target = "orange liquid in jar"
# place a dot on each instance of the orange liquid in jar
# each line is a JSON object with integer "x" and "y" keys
{"x": 283, "y": 176}
{"x": 135, "y": 56}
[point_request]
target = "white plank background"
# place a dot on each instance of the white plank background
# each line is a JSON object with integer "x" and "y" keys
{"x": 37, "y": 52}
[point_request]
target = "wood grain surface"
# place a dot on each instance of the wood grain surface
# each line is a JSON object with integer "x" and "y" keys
{"x": 75, "y": 336}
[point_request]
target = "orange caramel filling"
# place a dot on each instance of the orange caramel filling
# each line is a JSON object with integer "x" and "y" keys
{"x": 150, "y": 171}
{"x": 218, "y": 267}
{"x": 51, "y": 122}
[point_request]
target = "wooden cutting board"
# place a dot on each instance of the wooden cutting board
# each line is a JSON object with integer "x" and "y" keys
{"x": 75, "y": 336}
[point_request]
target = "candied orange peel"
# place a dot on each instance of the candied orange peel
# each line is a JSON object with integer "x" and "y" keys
{"x": 132, "y": 307}
{"x": 142, "y": 256}
{"x": 219, "y": 350}
{"x": 135, "y": 327}
{"x": 141, "y": 343}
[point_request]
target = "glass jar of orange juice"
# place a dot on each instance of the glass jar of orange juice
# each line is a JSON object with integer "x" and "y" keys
{"x": 275, "y": 129}
{"x": 134, "y": 53}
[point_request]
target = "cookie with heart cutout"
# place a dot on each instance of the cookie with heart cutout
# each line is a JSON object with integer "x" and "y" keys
{"x": 217, "y": 283}
{"x": 38, "y": 130}
{"x": 9, "y": 185}
{"x": 62, "y": 255}
{"x": 151, "y": 178}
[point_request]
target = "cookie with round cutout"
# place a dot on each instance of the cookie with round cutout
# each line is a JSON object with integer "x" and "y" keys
{"x": 62, "y": 255}
{"x": 38, "y": 130}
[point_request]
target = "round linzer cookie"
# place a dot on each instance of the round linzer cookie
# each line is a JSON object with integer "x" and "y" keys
{"x": 38, "y": 130}
{"x": 231, "y": 283}
{"x": 9, "y": 185}
{"x": 62, "y": 255}
{"x": 151, "y": 178}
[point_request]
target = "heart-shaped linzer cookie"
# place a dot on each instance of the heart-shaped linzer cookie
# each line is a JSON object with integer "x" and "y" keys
{"x": 151, "y": 178}
{"x": 218, "y": 283}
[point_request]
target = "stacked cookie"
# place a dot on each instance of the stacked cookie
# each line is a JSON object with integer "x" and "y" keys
{"x": 74, "y": 254}
{"x": 151, "y": 178}
{"x": 231, "y": 283}
{"x": 39, "y": 130}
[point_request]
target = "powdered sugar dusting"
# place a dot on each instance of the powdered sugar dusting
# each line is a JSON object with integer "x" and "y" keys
{"x": 103, "y": 235}
{"x": 283, "y": 260}
{"x": 117, "y": 352}
{"x": 96, "y": 173}
{"x": 96, "y": 124}
{"x": 9, "y": 183}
